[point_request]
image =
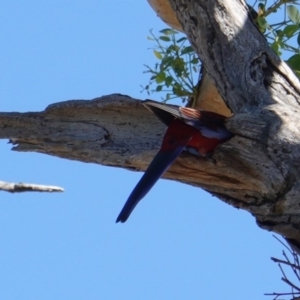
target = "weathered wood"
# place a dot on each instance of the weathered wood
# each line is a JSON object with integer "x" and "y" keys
{"x": 263, "y": 93}
{"x": 118, "y": 131}
{"x": 165, "y": 11}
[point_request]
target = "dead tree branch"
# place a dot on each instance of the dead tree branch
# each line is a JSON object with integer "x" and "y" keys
{"x": 27, "y": 187}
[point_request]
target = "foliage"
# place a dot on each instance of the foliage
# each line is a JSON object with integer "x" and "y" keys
{"x": 281, "y": 35}
{"x": 178, "y": 64}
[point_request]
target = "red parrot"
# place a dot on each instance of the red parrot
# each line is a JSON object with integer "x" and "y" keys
{"x": 187, "y": 127}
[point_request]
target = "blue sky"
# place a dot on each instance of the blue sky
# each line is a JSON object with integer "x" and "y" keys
{"x": 180, "y": 242}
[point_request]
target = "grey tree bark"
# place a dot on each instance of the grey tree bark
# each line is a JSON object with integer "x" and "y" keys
{"x": 263, "y": 94}
{"x": 257, "y": 170}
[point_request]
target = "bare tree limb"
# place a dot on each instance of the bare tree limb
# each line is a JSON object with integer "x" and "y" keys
{"x": 27, "y": 187}
{"x": 118, "y": 131}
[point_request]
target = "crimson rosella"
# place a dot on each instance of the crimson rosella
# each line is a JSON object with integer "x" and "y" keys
{"x": 187, "y": 127}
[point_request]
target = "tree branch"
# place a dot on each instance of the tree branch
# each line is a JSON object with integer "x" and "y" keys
{"x": 27, "y": 187}
{"x": 118, "y": 131}
{"x": 254, "y": 83}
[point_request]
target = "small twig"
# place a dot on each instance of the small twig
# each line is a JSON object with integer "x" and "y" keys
{"x": 281, "y": 294}
{"x": 274, "y": 7}
{"x": 282, "y": 243}
{"x": 285, "y": 256}
{"x": 296, "y": 263}
{"x": 285, "y": 262}
{"x": 291, "y": 284}
{"x": 27, "y": 187}
{"x": 281, "y": 269}
{"x": 294, "y": 266}
{"x": 291, "y": 264}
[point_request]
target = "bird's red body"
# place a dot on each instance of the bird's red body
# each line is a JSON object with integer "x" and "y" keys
{"x": 180, "y": 133}
{"x": 187, "y": 127}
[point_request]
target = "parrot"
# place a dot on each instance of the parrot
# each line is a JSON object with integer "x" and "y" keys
{"x": 202, "y": 131}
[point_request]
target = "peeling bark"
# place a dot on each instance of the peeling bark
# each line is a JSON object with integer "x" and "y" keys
{"x": 113, "y": 130}
{"x": 118, "y": 131}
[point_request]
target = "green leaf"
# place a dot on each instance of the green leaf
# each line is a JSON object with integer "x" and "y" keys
{"x": 160, "y": 77}
{"x": 157, "y": 54}
{"x": 195, "y": 61}
{"x": 174, "y": 48}
{"x": 262, "y": 23}
{"x": 188, "y": 49}
{"x": 294, "y": 62}
{"x": 181, "y": 40}
{"x": 298, "y": 39}
{"x": 177, "y": 90}
{"x": 168, "y": 31}
{"x": 178, "y": 66}
{"x": 280, "y": 34}
{"x": 159, "y": 88}
{"x": 293, "y": 14}
{"x": 168, "y": 80}
{"x": 289, "y": 30}
{"x": 276, "y": 47}
{"x": 164, "y": 38}
{"x": 166, "y": 60}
